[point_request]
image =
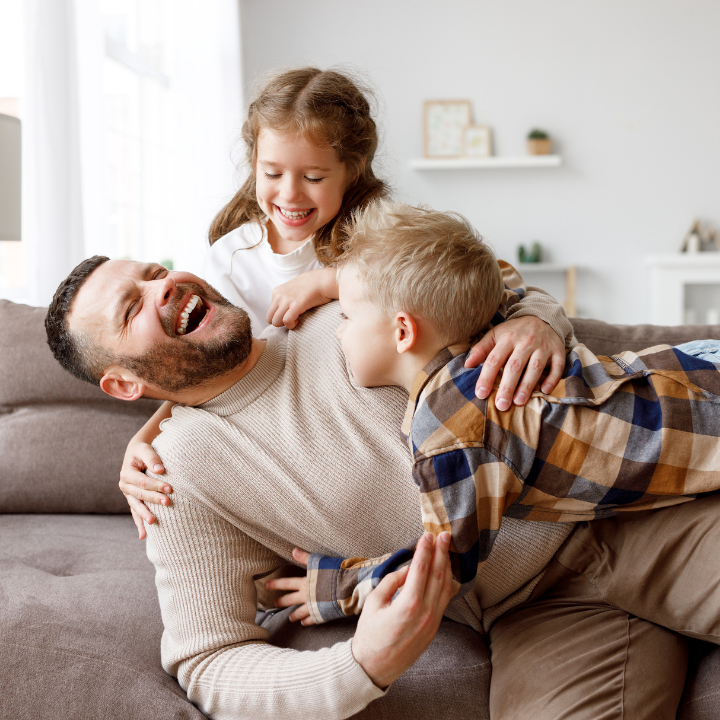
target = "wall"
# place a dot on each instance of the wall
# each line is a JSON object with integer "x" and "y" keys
{"x": 629, "y": 90}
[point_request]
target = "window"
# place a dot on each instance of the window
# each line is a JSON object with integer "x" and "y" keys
{"x": 137, "y": 86}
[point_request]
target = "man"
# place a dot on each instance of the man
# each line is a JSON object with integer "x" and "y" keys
{"x": 274, "y": 448}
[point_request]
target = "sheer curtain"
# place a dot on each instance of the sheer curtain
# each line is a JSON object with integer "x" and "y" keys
{"x": 131, "y": 113}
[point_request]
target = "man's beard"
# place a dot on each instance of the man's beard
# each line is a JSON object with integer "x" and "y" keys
{"x": 173, "y": 367}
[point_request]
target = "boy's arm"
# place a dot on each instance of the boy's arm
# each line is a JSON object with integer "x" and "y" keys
{"x": 338, "y": 587}
{"x": 476, "y": 503}
{"x": 293, "y": 298}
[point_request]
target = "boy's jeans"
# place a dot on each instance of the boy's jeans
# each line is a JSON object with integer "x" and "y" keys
{"x": 704, "y": 349}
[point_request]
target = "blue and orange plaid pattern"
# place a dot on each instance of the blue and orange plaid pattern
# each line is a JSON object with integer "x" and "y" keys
{"x": 636, "y": 431}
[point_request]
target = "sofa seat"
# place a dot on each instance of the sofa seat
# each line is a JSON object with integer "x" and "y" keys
{"x": 80, "y": 622}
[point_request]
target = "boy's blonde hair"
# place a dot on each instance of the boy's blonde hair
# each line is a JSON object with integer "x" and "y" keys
{"x": 433, "y": 264}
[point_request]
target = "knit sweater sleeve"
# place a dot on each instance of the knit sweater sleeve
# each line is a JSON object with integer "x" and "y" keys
{"x": 205, "y": 570}
{"x": 520, "y": 300}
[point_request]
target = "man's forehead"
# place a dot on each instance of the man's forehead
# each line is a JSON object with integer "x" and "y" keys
{"x": 97, "y": 297}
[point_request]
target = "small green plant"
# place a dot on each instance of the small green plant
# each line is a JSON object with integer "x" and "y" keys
{"x": 538, "y": 135}
{"x": 167, "y": 264}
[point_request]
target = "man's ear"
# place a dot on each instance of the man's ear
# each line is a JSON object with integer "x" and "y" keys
{"x": 406, "y": 331}
{"x": 122, "y": 384}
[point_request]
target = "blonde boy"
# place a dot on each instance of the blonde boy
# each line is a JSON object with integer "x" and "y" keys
{"x": 415, "y": 287}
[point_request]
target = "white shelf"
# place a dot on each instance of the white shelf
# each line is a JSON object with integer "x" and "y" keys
{"x": 685, "y": 260}
{"x": 499, "y": 161}
{"x": 540, "y": 267}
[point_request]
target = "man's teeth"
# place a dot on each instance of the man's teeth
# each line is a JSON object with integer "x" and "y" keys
{"x": 295, "y": 215}
{"x": 185, "y": 314}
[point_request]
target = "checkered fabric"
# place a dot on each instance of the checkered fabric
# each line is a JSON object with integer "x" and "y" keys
{"x": 632, "y": 432}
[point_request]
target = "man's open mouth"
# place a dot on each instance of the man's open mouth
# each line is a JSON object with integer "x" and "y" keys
{"x": 192, "y": 315}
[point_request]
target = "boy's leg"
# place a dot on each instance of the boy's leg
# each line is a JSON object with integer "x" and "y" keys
{"x": 567, "y": 654}
{"x": 662, "y": 565}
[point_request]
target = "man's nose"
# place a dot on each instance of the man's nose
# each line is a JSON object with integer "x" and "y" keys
{"x": 339, "y": 330}
{"x": 163, "y": 289}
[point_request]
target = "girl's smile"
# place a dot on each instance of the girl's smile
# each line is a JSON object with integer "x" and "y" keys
{"x": 299, "y": 185}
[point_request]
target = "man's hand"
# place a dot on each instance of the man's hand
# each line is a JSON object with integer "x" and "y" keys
{"x": 391, "y": 635}
{"x": 524, "y": 345}
{"x": 295, "y": 589}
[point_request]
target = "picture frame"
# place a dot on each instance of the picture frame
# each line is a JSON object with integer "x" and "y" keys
{"x": 444, "y": 127}
{"x": 478, "y": 141}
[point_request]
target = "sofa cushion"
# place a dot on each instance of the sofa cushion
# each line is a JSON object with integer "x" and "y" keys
{"x": 61, "y": 440}
{"x": 81, "y": 623}
{"x": 450, "y": 679}
{"x": 701, "y": 699}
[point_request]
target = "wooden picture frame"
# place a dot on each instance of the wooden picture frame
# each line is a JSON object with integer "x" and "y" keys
{"x": 478, "y": 141}
{"x": 444, "y": 126}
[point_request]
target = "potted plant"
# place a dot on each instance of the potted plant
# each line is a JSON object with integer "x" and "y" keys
{"x": 539, "y": 142}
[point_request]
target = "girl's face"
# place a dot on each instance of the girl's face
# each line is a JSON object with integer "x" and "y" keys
{"x": 300, "y": 187}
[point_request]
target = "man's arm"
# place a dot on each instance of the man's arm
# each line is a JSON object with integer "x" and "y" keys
{"x": 204, "y": 574}
{"x": 520, "y": 300}
{"x": 528, "y": 333}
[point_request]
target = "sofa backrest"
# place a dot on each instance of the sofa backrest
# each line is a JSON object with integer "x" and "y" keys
{"x": 61, "y": 440}
{"x": 606, "y": 339}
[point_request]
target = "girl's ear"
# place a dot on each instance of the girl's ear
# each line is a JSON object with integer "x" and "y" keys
{"x": 406, "y": 331}
{"x": 121, "y": 384}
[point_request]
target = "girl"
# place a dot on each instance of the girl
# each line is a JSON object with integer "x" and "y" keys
{"x": 311, "y": 140}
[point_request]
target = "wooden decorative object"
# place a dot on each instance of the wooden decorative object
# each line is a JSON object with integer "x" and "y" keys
{"x": 540, "y": 147}
{"x": 444, "y": 127}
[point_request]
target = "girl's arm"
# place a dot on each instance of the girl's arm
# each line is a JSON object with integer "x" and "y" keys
{"x": 140, "y": 456}
{"x": 293, "y": 298}
{"x": 530, "y": 332}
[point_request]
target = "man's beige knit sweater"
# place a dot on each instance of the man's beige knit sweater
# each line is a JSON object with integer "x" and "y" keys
{"x": 294, "y": 455}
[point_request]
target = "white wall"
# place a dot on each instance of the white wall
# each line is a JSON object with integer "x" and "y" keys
{"x": 629, "y": 89}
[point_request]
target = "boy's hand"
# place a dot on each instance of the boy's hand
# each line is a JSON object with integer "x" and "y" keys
{"x": 525, "y": 346}
{"x": 293, "y": 298}
{"x": 295, "y": 589}
{"x": 138, "y": 487}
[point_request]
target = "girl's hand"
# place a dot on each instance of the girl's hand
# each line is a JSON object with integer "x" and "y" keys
{"x": 293, "y": 298}
{"x": 525, "y": 346}
{"x": 295, "y": 589}
{"x": 138, "y": 487}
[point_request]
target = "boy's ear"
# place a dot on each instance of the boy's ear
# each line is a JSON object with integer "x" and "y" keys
{"x": 122, "y": 384}
{"x": 406, "y": 331}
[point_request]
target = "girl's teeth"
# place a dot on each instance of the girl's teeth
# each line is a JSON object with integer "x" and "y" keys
{"x": 292, "y": 215}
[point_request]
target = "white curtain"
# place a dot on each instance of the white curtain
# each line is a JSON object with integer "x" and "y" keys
{"x": 65, "y": 177}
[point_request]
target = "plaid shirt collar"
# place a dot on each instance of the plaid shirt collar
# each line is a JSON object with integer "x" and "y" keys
{"x": 423, "y": 378}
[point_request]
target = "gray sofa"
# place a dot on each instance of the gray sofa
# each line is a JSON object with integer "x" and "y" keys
{"x": 80, "y": 625}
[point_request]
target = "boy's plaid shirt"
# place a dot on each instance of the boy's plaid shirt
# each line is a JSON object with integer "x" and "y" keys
{"x": 637, "y": 431}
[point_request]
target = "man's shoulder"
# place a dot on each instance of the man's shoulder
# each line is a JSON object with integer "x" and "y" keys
{"x": 191, "y": 439}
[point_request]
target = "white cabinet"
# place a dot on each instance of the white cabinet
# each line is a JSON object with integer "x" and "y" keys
{"x": 685, "y": 288}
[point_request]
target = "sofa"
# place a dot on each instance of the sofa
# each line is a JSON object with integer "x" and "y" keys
{"x": 80, "y": 624}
